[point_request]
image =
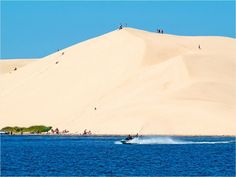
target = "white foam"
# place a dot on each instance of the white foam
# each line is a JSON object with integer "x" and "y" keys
{"x": 169, "y": 140}
{"x": 118, "y": 142}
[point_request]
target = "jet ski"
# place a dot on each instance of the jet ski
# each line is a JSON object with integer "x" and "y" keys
{"x": 128, "y": 140}
{"x": 124, "y": 141}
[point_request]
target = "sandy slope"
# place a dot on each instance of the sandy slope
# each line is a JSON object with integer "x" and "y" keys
{"x": 8, "y": 66}
{"x": 138, "y": 82}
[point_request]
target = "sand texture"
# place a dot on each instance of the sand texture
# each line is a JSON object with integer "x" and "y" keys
{"x": 127, "y": 81}
{"x": 7, "y": 66}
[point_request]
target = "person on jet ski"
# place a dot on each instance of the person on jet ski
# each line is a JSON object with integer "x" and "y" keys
{"x": 129, "y": 137}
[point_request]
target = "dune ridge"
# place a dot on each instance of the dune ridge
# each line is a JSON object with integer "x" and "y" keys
{"x": 128, "y": 81}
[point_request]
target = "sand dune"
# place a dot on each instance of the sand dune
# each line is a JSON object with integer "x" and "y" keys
{"x": 137, "y": 81}
{"x": 8, "y": 66}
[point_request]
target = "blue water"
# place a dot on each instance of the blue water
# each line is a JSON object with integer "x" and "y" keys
{"x": 105, "y": 156}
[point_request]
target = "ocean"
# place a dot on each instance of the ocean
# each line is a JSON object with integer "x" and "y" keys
{"x": 106, "y": 156}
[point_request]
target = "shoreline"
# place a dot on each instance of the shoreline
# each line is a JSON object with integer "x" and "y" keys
{"x": 115, "y": 135}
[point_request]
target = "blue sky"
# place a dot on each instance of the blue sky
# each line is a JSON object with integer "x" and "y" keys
{"x": 35, "y": 29}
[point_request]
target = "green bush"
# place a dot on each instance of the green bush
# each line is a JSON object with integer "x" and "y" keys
{"x": 13, "y": 129}
{"x": 37, "y": 129}
{"x": 31, "y": 129}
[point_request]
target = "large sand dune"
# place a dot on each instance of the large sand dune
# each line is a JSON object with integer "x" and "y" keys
{"x": 128, "y": 81}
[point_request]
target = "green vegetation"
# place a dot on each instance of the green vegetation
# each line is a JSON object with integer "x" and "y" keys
{"x": 32, "y": 129}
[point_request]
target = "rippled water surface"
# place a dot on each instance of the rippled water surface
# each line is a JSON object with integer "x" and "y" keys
{"x": 93, "y": 156}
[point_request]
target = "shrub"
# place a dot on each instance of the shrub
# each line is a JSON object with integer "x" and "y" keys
{"x": 31, "y": 129}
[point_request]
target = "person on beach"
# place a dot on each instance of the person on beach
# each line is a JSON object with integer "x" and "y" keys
{"x": 57, "y": 131}
{"x": 199, "y": 47}
{"x": 121, "y": 27}
{"x": 85, "y": 132}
